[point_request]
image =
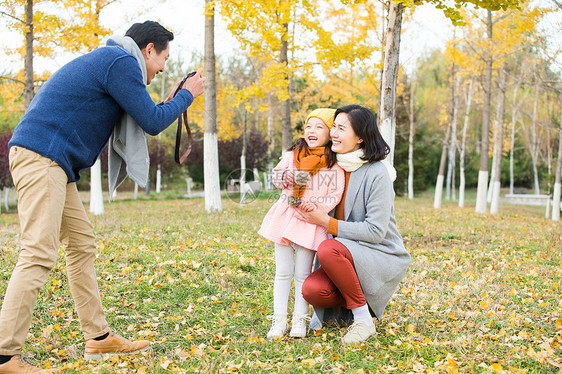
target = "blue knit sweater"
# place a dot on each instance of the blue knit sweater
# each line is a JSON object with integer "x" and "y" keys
{"x": 73, "y": 115}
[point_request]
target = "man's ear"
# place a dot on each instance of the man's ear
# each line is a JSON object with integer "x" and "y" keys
{"x": 146, "y": 51}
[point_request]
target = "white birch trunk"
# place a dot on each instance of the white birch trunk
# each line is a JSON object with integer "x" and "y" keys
{"x": 494, "y": 157}
{"x": 268, "y": 182}
{"x": 210, "y": 139}
{"x": 463, "y": 143}
{"x": 481, "y": 205}
{"x": 286, "y": 133}
{"x": 29, "y": 84}
{"x": 136, "y": 192}
{"x": 390, "y": 75}
{"x": 453, "y": 142}
{"x": 512, "y": 141}
{"x": 441, "y": 175}
{"x": 557, "y": 178}
{"x": 438, "y": 192}
{"x": 96, "y": 194}
{"x": 158, "y": 179}
{"x": 534, "y": 141}
{"x": 243, "y": 180}
{"x": 411, "y": 143}
{"x": 495, "y": 203}
{"x": 7, "y": 198}
{"x": 211, "y": 178}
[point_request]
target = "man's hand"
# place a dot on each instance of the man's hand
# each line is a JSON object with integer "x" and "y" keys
{"x": 317, "y": 215}
{"x": 195, "y": 84}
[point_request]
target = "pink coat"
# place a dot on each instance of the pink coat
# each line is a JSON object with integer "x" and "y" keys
{"x": 281, "y": 224}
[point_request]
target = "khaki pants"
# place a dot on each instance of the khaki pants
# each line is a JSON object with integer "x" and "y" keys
{"x": 49, "y": 210}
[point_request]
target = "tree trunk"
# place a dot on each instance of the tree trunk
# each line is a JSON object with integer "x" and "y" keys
{"x": 243, "y": 164}
{"x": 534, "y": 141}
{"x": 411, "y": 142}
{"x": 453, "y": 143}
{"x": 512, "y": 140}
{"x": 271, "y": 140}
{"x": 487, "y": 86}
{"x": 29, "y": 87}
{"x": 494, "y": 155}
{"x": 7, "y": 198}
{"x": 494, "y": 207}
{"x": 210, "y": 139}
{"x": 390, "y": 75}
{"x": 463, "y": 143}
{"x": 96, "y": 194}
{"x": 557, "y": 181}
{"x": 286, "y": 136}
{"x": 159, "y": 166}
{"x": 441, "y": 176}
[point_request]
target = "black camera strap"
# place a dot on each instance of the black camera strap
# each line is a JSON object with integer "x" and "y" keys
{"x": 182, "y": 117}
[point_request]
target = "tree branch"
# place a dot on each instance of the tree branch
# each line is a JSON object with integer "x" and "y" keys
{"x": 11, "y": 79}
{"x": 558, "y": 3}
{"x": 14, "y": 17}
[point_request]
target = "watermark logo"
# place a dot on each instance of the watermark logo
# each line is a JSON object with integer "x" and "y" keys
{"x": 242, "y": 186}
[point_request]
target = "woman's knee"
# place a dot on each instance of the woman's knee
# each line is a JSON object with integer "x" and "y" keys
{"x": 310, "y": 290}
{"x": 329, "y": 250}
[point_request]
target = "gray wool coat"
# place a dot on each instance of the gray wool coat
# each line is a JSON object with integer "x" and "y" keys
{"x": 370, "y": 233}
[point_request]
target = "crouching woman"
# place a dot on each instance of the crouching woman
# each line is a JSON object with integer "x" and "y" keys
{"x": 362, "y": 266}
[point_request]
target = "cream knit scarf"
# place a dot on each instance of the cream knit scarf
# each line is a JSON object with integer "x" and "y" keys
{"x": 352, "y": 161}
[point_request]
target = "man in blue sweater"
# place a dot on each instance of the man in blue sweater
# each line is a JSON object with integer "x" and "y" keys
{"x": 63, "y": 131}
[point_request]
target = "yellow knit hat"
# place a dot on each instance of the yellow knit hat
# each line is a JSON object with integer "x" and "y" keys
{"x": 325, "y": 114}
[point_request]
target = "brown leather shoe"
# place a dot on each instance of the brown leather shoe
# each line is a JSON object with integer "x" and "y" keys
{"x": 17, "y": 365}
{"x": 113, "y": 345}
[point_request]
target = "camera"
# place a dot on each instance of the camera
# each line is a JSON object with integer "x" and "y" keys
{"x": 188, "y": 75}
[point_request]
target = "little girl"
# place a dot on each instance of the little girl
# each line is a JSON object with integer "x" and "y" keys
{"x": 308, "y": 173}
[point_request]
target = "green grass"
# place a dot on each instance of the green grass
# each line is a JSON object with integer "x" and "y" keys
{"x": 482, "y": 294}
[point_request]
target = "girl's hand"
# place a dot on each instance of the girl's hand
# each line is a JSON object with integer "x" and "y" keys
{"x": 307, "y": 207}
{"x": 316, "y": 216}
{"x": 288, "y": 178}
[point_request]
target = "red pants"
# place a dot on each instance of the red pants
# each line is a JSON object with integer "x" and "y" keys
{"x": 335, "y": 284}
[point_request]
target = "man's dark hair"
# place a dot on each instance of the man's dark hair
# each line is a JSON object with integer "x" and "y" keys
{"x": 364, "y": 124}
{"x": 150, "y": 32}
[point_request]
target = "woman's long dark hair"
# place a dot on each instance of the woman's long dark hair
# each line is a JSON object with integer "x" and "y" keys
{"x": 364, "y": 124}
{"x": 301, "y": 144}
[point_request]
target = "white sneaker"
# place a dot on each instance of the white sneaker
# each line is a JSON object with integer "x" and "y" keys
{"x": 358, "y": 332}
{"x": 299, "y": 326}
{"x": 279, "y": 327}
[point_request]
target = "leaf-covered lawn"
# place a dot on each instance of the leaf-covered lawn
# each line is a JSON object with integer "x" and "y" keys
{"x": 482, "y": 294}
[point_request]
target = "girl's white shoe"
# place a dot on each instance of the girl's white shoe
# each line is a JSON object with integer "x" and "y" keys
{"x": 279, "y": 327}
{"x": 299, "y": 326}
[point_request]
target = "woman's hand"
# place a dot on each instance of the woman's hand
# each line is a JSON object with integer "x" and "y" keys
{"x": 314, "y": 214}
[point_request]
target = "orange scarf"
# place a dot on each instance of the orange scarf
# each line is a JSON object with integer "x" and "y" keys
{"x": 310, "y": 160}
